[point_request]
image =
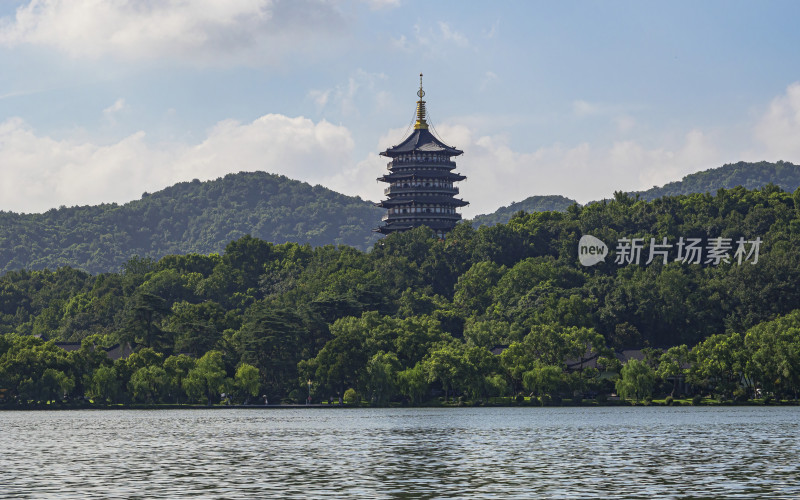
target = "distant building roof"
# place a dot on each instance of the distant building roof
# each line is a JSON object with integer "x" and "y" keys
{"x": 68, "y": 346}
{"x": 630, "y": 354}
{"x": 498, "y": 349}
{"x": 589, "y": 361}
{"x": 114, "y": 352}
{"x": 118, "y": 351}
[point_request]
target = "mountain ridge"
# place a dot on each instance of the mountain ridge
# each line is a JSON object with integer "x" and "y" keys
{"x": 203, "y": 217}
{"x": 749, "y": 175}
{"x": 187, "y": 217}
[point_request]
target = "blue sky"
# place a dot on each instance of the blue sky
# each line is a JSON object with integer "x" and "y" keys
{"x": 103, "y": 100}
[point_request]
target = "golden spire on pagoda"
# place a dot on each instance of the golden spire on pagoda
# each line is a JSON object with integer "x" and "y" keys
{"x": 421, "y": 123}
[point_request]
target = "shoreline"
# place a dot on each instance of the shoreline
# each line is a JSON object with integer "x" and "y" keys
{"x": 318, "y": 406}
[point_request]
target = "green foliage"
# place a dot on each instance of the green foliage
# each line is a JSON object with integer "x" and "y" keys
{"x": 351, "y": 397}
{"x": 543, "y": 379}
{"x": 417, "y": 316}
{"x": 206, "y": 380}
{"x": 673, "y": 364}
{"x": 247, "y": 380}
{"x": 148, "y": 384}
{"x": 104, "y": 384}
{"x": 533, "y": 204}
{"x": 748, "y": 175}
{"x": 177, "y": 368}
{"x": 413, "y": 383}
{"x": 774, "y": 355}
{"x": 381, "y": 376}
{"x": 189, "y": 217}
{"x": 637, "y": 381}
{"x": 719, "y": 363}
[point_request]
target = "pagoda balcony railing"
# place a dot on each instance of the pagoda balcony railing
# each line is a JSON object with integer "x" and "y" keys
{"x": 418, "y": 216}
{"x": 420, "y": 163}
{"x": 420, "y": 189}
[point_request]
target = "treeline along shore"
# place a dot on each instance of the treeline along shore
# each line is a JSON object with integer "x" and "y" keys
{"x": 506, "y": 311}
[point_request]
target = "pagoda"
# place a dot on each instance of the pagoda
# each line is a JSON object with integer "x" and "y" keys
{"x": 421, "y": 178}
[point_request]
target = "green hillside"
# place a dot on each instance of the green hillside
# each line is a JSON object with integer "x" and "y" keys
{"x": 189, "y": 217}
{"x": 748, "y": 175}
{"x": 418, "y": 314}
{"x": 533, "y": 204}
{"x": 202, "y": 217}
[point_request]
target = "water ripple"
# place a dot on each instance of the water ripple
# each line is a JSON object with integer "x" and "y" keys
{"x": 732, "y": 452}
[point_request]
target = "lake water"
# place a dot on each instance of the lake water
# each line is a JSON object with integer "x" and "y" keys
{"x": 619, "y": 452}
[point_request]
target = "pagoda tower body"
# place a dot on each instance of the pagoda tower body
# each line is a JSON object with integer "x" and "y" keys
{"x": 421, "y": 181}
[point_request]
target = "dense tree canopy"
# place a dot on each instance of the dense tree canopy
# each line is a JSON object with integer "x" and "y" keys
{"x": 189, "y": 217}
{"x": 748, "y": 175}
{"x": 203, "y": 217}
{"x": 552, "y": 203}
{"x": 487, "y": 312}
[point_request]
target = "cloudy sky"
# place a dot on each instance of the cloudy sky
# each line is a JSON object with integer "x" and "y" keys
{"x": 101, "y": 100}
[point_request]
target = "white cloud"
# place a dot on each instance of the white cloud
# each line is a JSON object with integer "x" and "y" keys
{"x": 382, "y": 4}
{"x": 625, "y": 123}
{"x": 497, "y": 174}
{"x": 19, "y": 93}
{"x": 111, "y": 111}
{"x": 360, "y": 179}
{"x": 362, "y": 88}
{"x": 452, "y": 35}
{"x": 201, "y": 31}
{"x": 585, "y": 108}
{"x": 617, "y": 114}
{"x": 41, "y": 172}
{"x": 492, "y": 31}
{"x": 401, "y": 43}
{"x": 488, "y": 78}
{"x": 320, "y": 97}
{"x": 778, "y": 130}
{"x": 434, "y": 42}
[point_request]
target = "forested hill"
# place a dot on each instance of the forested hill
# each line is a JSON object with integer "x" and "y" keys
{"x": 749, "y": 175}
{"x": 710, "y": 290}
{"x": 189, "y": 217}
{"x": 502, "y": 215}
{"x": 202, "y": 217}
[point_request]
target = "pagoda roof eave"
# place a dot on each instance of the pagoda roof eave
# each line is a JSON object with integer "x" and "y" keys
{"x": 423, "y": 141}
{"x": 425, "y": 200}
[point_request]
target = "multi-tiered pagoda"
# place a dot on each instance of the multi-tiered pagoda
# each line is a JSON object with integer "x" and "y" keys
{"x": 421, "y": 190}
